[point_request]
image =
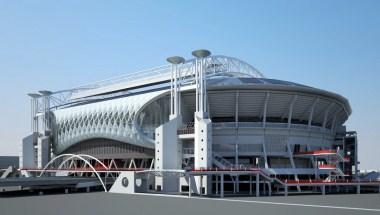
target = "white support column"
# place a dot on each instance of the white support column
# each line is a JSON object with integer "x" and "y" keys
{"x": 265, "y": 154}
{"x": 264, "y": 126}
{"x": 265, "y": 109}
{"x": 327, "y": 114}
{"x": 236, "y": 108}
{"x": 202, "y": 122}
{"x": 356, "y": 157}
{"x": 286, "y": 190}
{"x": 313, "y": 163}
{"x": 311, "y": 113}
{"x": 234, "y": 183}
{"x": 204, "y": 79}
{"x": 333, "y": 124}
{"x": 222, "y": 185}
{"x": 46, "y": 104}
{"x": 269, "y": 189}
{"x": 201, "y": 185}
{"x": 236, "y": 129}
{"x": 203, "y": 146}
{"x": 264, "y": 188}
{"x": 290, "y": 154}
{"x": 175, "y": 86}
{"x": 257, "y": 185}
{"x": 167, "y": 149}
{"x": 43, "y": 151}
{"x": 171, "y": 91}
{"x": 27, "y": 153}
{"x": 290, "y": 114}
{"x": 189, "y": 179}
{"x": 217, "y": 184}
{"x": 250, "y": 184}
{"x": 196, "y": 85}
{"x": 201, "y": 86}
{"x": 34, "y": 109}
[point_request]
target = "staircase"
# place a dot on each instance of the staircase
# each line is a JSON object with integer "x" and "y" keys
{"x": 339, "y": 172}
{"x": 7, "y": 172}
{"x": 340, "y": 156}
{"x": 221, "y": 162}
{"x": 334, "y": 168}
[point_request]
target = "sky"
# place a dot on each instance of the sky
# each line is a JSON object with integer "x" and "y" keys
{"x": 54, "y": 45}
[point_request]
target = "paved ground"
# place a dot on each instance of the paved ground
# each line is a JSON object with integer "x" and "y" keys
{"x": 107, "y": 203}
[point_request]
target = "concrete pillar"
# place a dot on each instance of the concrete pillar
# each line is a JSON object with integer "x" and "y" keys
{"x": 286, "y": 190}
{"x": 234, "y": 184}
{"x": 222, "y": 186}
{"x": 323, "y": 188}
{"x": 257, "y": 185}
{"x": 237, "y": 184}
{"x": 27, "y": 153}
{"x": 217, "y": 184}
{"x": 189, "y": 179}
{"x": 201, "y": 185}
{"x": 168, "y": 153}
{"x": 250, "y": 185}
{"x": 264, "y": 188}
{"x": 43, "y": 151}
{"x": 357, "y": 189}
{"x": 269, "y": 189}
{"x": 66, "y": 191}
{"x": 203, "y": 147}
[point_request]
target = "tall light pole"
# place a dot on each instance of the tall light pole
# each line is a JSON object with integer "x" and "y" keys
{"x": 175, "y": 84}
{"x": 200, "y": 79}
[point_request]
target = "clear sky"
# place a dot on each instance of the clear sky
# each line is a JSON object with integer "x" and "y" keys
{"x": 333, "y": 45}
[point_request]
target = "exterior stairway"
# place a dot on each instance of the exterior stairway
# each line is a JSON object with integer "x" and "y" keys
{"x": 221, "y": 162}
{"x": 7, "y": 172}
{"x": 334, "y": 168}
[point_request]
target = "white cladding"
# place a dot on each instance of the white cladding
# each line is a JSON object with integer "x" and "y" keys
{"x": 114, "y": 119}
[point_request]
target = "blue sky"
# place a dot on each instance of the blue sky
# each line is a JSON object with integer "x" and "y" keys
{"x": 333, "y": 45}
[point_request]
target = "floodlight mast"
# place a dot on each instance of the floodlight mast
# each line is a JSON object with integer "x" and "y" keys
{"x": 200, "y": 79}
{"x": 175, "y": 86}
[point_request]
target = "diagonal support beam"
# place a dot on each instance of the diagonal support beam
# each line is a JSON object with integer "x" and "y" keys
{"x": 311, "y": 113}
{"x": 290, "y": 114}
{"x": 265, "y": 109}
{"x": 328, "y": 109}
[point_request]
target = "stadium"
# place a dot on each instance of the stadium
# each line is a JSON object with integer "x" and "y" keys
{"x": 204, "y": 126}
